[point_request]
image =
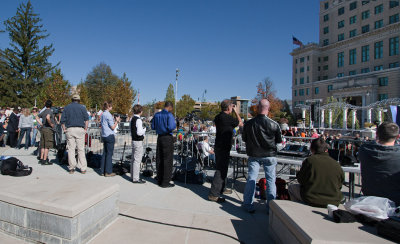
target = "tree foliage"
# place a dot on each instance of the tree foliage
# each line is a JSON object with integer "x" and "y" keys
{"x": 265, "y": 90}
{"x": 56, "y": 89}
{"x": 122, "y": 95}
{"x": 209, "y": 111}
{"x": 24, "y": 65}
{"x": 184, "y": 106}
{"x": 83, "y": 92}
{"x": 170, "y": 96}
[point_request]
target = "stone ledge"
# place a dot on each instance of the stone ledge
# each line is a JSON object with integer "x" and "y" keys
{"x": 291, "y": 222}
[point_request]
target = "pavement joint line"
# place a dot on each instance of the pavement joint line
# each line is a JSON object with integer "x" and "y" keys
{"x": 181, "y": 226}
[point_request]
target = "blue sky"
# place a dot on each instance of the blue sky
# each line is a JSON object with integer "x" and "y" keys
{"x": 223, "y": 46}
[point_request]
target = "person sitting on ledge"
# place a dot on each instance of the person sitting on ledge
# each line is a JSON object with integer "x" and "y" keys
{"x": 380, "y": 164}
{"x": 320, "y": 177}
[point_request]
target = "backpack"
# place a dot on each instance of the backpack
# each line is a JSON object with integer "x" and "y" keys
{"x": 281, "y": 192}
{"x": 262, "y": 184}
{"x": 12, "y": 166}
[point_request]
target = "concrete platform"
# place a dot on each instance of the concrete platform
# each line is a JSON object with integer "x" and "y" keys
{"x": 291, "y": 222}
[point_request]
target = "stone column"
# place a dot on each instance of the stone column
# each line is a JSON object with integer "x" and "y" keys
{"x": 369, "y": 112}
{"x": 380, "y": 115}
{"x": 322, "y": 125}
{"x": 330, "y": 118}
{"x": 303, "y": 116}
{"x": 353, "y": 122}
{"x": 345, "y": 118}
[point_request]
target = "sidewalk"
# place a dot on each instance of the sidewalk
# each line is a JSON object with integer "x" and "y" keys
{"x": 150, "y": 214}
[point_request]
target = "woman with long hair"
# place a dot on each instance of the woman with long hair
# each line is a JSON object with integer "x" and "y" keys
{"x": 25, "y": 126}
{"x": 108, "y": 135}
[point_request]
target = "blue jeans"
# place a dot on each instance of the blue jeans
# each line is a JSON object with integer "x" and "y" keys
{"x": 108, "y": 151}
{"x": 269, "y": 164}
{"x": 33, "y": 141}
{"x": 27, "y": 132}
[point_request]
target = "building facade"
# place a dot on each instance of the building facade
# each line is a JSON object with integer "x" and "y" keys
{"x": 357, "y": 57}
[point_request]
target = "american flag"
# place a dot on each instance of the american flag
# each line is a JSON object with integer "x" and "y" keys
{"x": 296, "y": 41}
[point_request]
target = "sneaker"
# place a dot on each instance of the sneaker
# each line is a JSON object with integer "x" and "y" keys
{"x": 71, "y": 171}
{"x": 227, "y": 191}
{"x": 216, "y": 199}
{"x": 47, "y": 162}
{"x": 41, "y": 161}
{"x": 140, "y": 181}
{"x": 83, "y": 172}
{"x": 110, "y": 175}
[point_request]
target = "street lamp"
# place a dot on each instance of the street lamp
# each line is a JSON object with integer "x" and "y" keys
{"x": 176, "y": 87}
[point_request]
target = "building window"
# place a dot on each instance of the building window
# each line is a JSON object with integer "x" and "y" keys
{"x": 340, "y": 58}
{"x": 365, "y": 53}
{"x": 302, "y": 80}
{"x": 365, "y": 15}
{"x": 296, "y": 60}
{"x": 316, "y": 90}
{"x": 326, "y": 17}
{"x": 383, "y": 81}
{"x": 394, "y": 46}
{"x": 353, "y": 33}
{"x": 326, "y": 30}
{"x": 379, "y": 24}
{"x": 394, "y": 19}
{"x": 319, "y": 60}
{"x": 378, "y": 50}
{"x": 301, "y": 92}
{"x": 308, "y": 58}
{"x": 308, "y": 68}
{"x": 295, "y": 82}
{"x": 319, "y": 68}
{"x": 340, "y": 37}
{"x": 382, "y": 97}
{"x": 326, "y": 5}
{"x": 353, "y": 19}
{"x": 295, "y": 93}
{"x": 302, "y": 70}
{"x": 308, "y": 79}
{"x": 326, "y": 42}
{"x": 394, "y": 3}
{"x": 352, "y": 56}
{"x": 340, "y": 74}
{"x": 365, "y": 70}
{"x": 307, "y": 91}
{"x": 379, "y": 67}
{"x": 340, "y": 24}
{"x": 330, "y": 88}
{"x": 341, "y": 11}
{"x": 353, "y": 72}
{"x": 393, "y": 65}
{"x": 326, "y": 58}
{"x": 379, "y": 9}
{"x": 296, "y": 71}
{"x": 325, "y": 67}
{"x": 353, "y": 5}
{"x": 365, "y": 2}
{"x": 302, "y": 60}
{"x": 365, "y": 29}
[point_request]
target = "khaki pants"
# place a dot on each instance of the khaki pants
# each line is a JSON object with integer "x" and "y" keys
{"x": 76, "y": 141}
{"x": 137, "y": 154}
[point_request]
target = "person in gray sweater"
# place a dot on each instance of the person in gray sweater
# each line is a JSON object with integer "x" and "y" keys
{"x": 24, "y": 127}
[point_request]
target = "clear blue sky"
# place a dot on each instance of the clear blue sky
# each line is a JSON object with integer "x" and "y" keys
{"x": 223, "y": 46}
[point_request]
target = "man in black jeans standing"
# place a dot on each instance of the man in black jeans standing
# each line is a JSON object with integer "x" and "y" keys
{"x": 164, "y": 123}
{"x": 225, "y": 124}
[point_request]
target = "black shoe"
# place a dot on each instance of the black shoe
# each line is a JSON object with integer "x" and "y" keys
{"x": 41, "y": 161}
{"x": 216, "y": 199}
{"x": 168, "y": 185}
{"x": 47, "y": 162}
{"x": 140, "y": 181}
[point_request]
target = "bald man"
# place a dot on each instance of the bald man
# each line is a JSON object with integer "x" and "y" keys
{"x": 261, "y": 135}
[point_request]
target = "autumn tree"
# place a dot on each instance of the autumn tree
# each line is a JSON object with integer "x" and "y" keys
{"x": 24, "y": 65}
{"x": 122, "y": 95}
{"x": 265, "y": 90}
{"x": 184, "y": 106}
{"x": 55, "y": 88}
{"x": 83, "y": 92}
{"x": 209, "y": 111}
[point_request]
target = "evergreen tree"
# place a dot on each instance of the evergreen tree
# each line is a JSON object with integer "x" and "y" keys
{"x": 97, "y": 82}
{"x": 170, "y": 96}
{"x": 24, "y": 65}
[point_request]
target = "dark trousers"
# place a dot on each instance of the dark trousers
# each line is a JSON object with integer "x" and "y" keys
{"x": 164, "y": 159}
{"x": 108, "y": 151}
{"x": 23, "y": 131}
{"x": 13, "y": 138}
{"x": 222, "y": 164}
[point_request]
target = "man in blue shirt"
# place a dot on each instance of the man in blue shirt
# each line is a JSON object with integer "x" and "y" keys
{"x": 164, "y": 123}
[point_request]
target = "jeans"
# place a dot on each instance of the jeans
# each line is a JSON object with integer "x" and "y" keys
{"x": 23, "y": 131}
{"x": 34, "y": 133}
{"x": 269, "y": 164}
{"x": 106, "y": 158}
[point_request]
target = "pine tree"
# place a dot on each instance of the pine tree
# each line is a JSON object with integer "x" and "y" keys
{"x": 170, "y": 96}
{"x": 24, "y": 65}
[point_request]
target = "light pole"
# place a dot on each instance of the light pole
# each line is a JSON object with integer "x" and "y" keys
{"x": 176, "y": 87}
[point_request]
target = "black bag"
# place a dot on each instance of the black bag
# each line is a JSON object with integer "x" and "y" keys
{"x": 147, "y": 173}
{"x": 389, "y": 229}
{"x": 342, "y": 216}
{"x": 192, "y": 176}
{"x": 12, "y": 166}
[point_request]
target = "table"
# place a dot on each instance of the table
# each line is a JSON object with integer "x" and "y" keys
{"x": 291, "y": 161}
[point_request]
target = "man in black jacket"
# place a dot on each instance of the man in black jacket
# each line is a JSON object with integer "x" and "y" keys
{"x": 380, "y": 164}
{"x": 261, "y": 135}
{"x": 12, "y": 128}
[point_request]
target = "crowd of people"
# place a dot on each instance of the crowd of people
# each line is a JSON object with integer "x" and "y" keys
{"x": 320, "y": 178}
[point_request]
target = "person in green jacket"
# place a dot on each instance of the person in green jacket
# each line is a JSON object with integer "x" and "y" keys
{"x": 320, "y": 177}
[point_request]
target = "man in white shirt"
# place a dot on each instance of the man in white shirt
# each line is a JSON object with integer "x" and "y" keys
{"x": 137, "y": 132}
{"x": 207, "y": 150}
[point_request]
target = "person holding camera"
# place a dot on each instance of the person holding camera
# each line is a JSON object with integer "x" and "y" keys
{"x": 225, "y": 124}
{"x": 74, "y": 121}
{"x": 137, "y": 133}
{"x": 108, "y": 126}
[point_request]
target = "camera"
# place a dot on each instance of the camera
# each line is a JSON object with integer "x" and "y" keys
{"x": 190, "y": 116}
{"x": 123, "y": 117}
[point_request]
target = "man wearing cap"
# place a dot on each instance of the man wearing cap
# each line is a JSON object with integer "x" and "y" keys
{"x": 74, "y": 121}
